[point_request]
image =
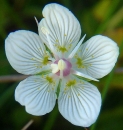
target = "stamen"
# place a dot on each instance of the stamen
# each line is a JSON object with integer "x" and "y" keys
{"x": 46, "y": 32}
{"x": 83, "y": 75}
{"x": 61, "y": 65}
{"x": 55, "y": 68}
{"x": 36, "y": 20}
{"x": 76, "y": 48}
{"x": 61, "y": 74}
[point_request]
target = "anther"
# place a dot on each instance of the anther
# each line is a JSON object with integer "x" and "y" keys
{"x": 61, "y": 65}
{"x": 44, "y": 30}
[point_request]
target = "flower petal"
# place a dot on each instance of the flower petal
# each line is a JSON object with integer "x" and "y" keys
{"x": 96, "y": 57}
{"x": 26, "y": 52}
{"x": 79, "y": 102}
{"x": 37, "y": 94}
{"x": 62, "y": 27}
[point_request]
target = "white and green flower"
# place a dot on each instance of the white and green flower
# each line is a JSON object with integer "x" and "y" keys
{"x": 60, "y": 66}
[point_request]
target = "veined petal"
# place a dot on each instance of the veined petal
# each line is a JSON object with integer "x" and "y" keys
{"x": 79, "y": 102}
{"x": 96, "y": 57}
{"x": 37, "y": 94}
{"x": 26, "y": 52}
{"x": 62, "y": 27}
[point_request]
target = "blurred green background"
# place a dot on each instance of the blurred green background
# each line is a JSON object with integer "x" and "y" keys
{"x": 96, "y": 17}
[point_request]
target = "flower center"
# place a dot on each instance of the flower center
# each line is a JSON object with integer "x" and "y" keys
{"x": 61, "y": 67}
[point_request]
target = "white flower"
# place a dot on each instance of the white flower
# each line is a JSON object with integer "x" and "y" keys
{"x": 59, "y": 63}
